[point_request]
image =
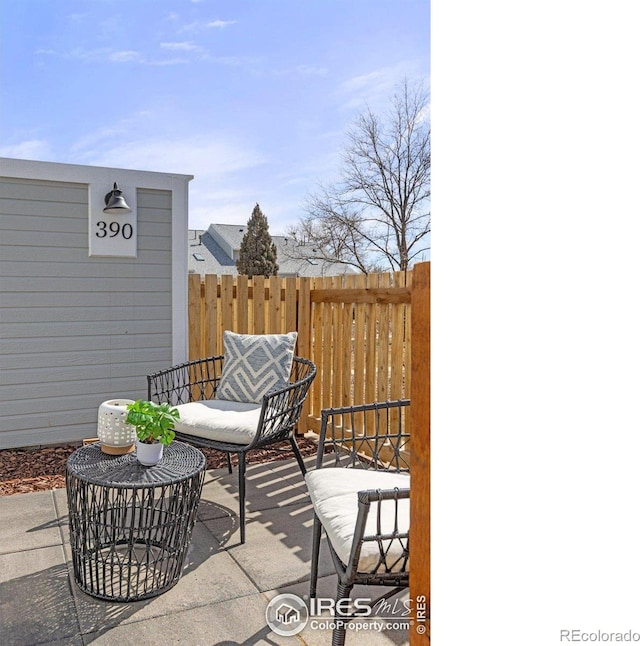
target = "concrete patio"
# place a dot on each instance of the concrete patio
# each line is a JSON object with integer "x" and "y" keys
{"x": 224, "y": 590}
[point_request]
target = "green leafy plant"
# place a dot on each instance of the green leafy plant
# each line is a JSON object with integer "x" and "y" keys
{"x": 153, "y": 422}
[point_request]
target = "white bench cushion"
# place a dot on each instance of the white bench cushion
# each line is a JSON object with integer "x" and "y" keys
{"x": 219, "y": 419}
{"x": 334, "y": 494}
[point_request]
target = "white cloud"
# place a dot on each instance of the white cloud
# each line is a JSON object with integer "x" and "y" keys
{"x": 101, "y": 54}
{"x": 237, "y": 208}
{"x": 375, "y": 88}
{"x": 126, "y": 56}
{"x": 424, "y": 114}
{"x": 227, "y": 178}
{"x": 170, "y": 61}
{"x": 236, "y": 61}
{"x": 193, "y": 51}
{"x": 221, "y": 167}
{"x": 37, "y": 149}
{"x": 220, "y": 24}
{"x": 79, "y": 17}
{"x": 122, "y": 129}
{"x": 182, "y": 46}
{"x": 307, "y": 70}
{"x": 203, "y": 211}
{"x": 191, "y": 26}
{"x": 106, "y": 55}
{"x": 302, "y": 70}
{"x": 200, "y": 25}
{"x": 206, "y": 155}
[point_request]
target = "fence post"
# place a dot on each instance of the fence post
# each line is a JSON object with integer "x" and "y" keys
{"x": 420, "y": 413}
{"x": 195, "y": 317}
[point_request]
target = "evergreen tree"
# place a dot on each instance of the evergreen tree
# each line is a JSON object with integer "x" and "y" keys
{"x": 257, "y": 251}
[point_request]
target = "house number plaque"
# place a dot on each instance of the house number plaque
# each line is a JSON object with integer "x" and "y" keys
{"x": 114, "y": 235}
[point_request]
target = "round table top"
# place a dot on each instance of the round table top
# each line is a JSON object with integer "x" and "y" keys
{"x": 179, "y": 462}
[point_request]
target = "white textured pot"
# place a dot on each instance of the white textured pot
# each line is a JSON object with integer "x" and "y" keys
{"x": 115, "y": 435}
{"x": 149, "y": 454}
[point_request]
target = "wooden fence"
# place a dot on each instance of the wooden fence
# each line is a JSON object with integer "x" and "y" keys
{"x": 355, "y": 328}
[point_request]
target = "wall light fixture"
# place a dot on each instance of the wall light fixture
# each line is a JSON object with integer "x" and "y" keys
{"x": 115, "y": 202}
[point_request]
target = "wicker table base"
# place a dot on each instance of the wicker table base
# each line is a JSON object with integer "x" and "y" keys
{"x": 130, "y": 525}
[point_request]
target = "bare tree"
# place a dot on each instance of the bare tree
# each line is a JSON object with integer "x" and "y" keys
{"x": 379, "y": 210}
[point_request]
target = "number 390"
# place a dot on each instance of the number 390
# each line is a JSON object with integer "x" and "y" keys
{"x": 114, "y": 229}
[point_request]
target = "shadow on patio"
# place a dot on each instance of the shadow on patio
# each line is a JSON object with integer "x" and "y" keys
{"x": 225, "y": 586}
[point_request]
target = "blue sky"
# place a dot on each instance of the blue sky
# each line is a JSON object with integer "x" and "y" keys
{"x": 538, "y": 221}
{"x": 251, "y": 97}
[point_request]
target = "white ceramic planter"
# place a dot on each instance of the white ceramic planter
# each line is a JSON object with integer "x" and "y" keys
{"x": 115, "y": 435}
{"x": 149, "y": 454}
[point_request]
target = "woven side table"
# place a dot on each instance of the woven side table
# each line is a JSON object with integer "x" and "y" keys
{"x": 130, "y": 525}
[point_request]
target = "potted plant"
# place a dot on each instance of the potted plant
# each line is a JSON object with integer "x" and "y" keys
{"x": 154, "y": 424}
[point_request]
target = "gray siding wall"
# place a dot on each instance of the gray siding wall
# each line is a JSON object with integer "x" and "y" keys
{"x": 74, "y": 330}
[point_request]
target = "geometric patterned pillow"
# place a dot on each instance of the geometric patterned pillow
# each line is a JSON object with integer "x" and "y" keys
{"x": 255, "y": 364}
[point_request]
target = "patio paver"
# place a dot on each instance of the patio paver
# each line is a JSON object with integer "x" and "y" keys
{"x": 29, "y": 526}
{"x": 36, "y": 603}
{"x": 221, "y": 597}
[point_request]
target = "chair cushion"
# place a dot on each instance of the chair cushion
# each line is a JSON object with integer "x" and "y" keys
{"x": 255, "y": 364}
{"x": 334, "y": 494}
{"x": 217, "y": 419}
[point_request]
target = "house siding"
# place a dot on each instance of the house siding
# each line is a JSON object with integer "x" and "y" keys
{"x": 76, "y": 330}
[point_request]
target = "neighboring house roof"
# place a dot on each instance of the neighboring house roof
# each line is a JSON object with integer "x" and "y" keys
{"x": 216, "y": 249}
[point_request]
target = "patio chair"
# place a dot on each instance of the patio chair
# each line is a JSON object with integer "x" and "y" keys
{"x": 246, "y": 399}
{"x": 360, "y": 495}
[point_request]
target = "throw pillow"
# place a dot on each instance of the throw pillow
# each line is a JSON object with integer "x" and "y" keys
{"x": 255, "y": 364}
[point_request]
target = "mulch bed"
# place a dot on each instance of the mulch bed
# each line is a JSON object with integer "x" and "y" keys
{"x": 41, "y": 469}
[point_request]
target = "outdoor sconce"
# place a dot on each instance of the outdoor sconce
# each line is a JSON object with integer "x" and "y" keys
{"x": 115, "y": 202}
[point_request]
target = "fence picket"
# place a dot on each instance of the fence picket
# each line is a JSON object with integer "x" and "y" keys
{"x": 336, "y": 354}
{"x": 258, "y": 305}
{"x": 274, "y": 305}
{"x": 371, "y": 345}
{"x": 211, "y": 330}
{"x": 359, "y": 344}
{"x": 355, "y": 328}
{"x": 304, "y": 339}
{"x": 242, "y": 304}
{"x": 347, "y": 347}
{"x": 290, "y": 302}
